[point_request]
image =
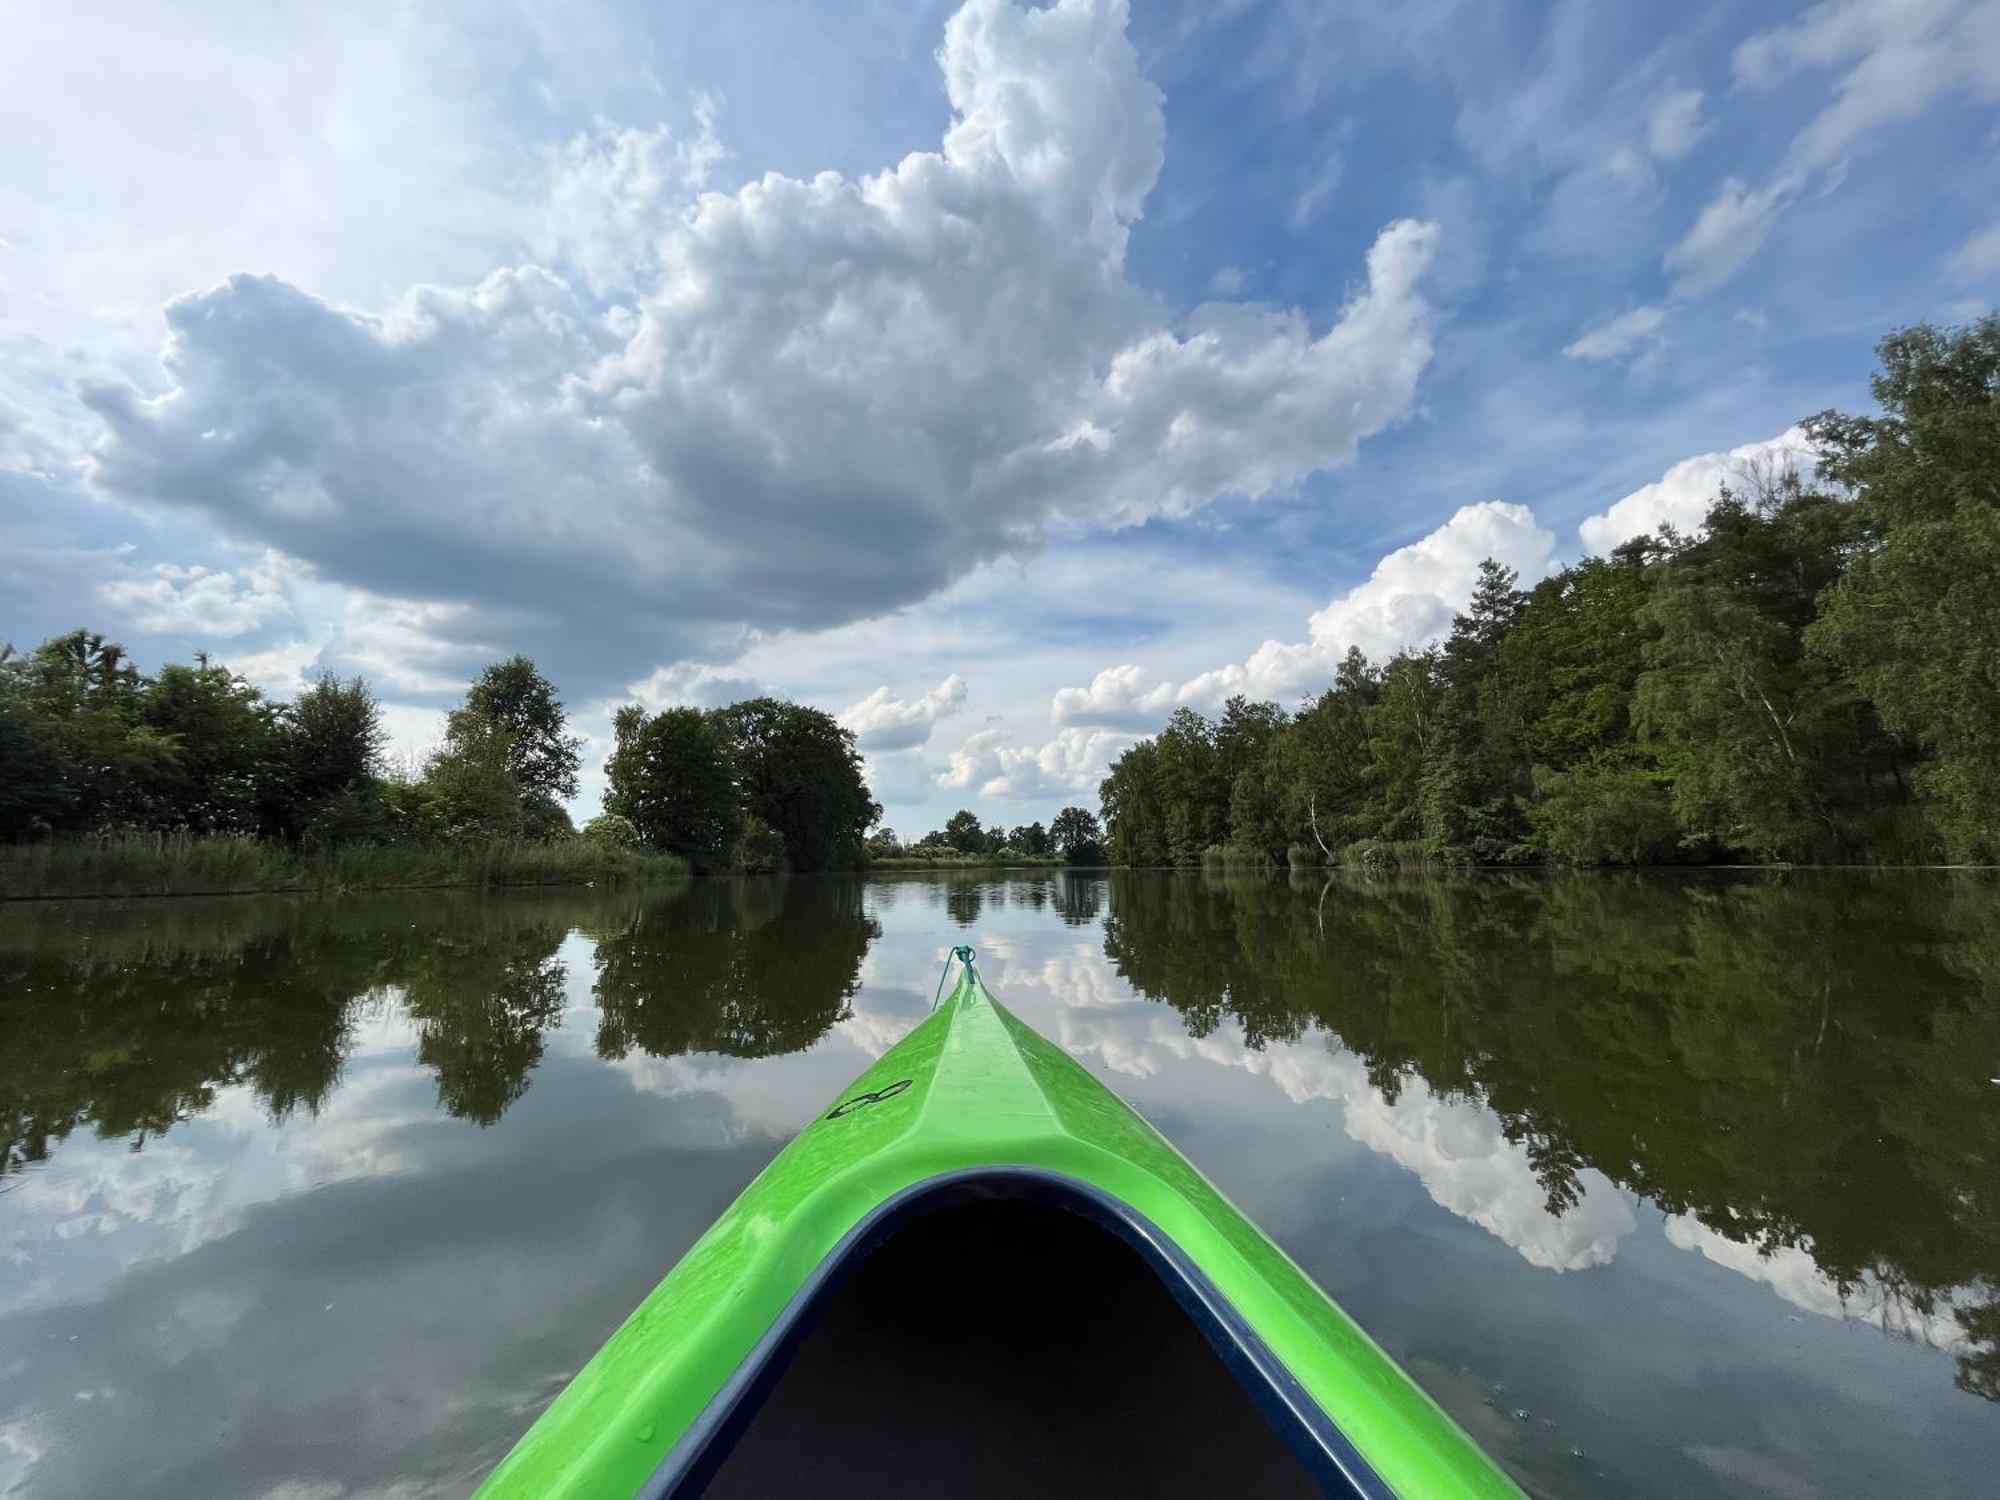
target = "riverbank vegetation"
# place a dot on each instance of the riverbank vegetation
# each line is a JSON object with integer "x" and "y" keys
{"x": 188, "y": 864}
{"x": 1811, "y": 677}
{"x": 113, "y": 782}
{"x": 1073, "y": 837}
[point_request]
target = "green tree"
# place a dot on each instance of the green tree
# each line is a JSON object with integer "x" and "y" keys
{"x": 1913, "y": 617}
{"x": 226, "y": 774}
{"x": 613, "y": 831}
{"x": 1603, "y": 814}
{"x": 801, "y": 777}
{"x": 469, "y": 791}
{"x": 1406, "y": 727}
{"x": 1320, "y": 768}
{"x": 673, "y": 776}
{"x": 513, "y": 701}
{"x": 1772, "y": 749}
{"x": 78, "y": 698}
{"x": 1029, "y": 838}
{"x": 1076, "y": 836}
{"x": 963, "y": 832}
{"x": 1188, "y": 771}
{"x": 1564, "y": 673}
{"x": 1130, "y": 796}
{"x": 331, "y": 737}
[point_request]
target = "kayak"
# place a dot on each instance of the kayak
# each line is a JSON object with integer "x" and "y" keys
{"x": 979, "y": 1272}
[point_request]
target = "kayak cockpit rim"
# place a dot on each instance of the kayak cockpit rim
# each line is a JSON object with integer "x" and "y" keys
{"x": 1322, "y": 1451}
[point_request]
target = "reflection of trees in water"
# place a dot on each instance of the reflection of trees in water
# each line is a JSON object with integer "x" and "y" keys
{"x": 965, "y": 898}
{"x": 129, "y": 1018}
{"x": 741, "y": 967}
{"x": 480, "y": 1008}
{"x": 1080, "y": 898}
{"x": 1798, "y": 1061}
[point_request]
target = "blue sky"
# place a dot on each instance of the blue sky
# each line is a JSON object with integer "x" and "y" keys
{"x": 997, "y": 377}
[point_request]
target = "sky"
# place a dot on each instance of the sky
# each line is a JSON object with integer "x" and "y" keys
{"x": 997, "y": 377}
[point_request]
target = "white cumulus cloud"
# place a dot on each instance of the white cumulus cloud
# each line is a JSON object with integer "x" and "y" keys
{"x": 615, "y": 196}
{"x": 1070, "y": 764}
{"x": 882, "y": 721}
{"x": 1681, "y": 497}
{"x": 690, "y": 684}
{"x": 213, "y": 603}
{"x": 1409, "y": 600}
{"x": 1124, "y": 697}
{"x": 823, "y": 399}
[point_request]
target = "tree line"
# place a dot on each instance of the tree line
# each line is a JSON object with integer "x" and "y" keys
{"x": 1072, "y": 836}
{"x": 89, "y": 744}
{"x": 1811, "y": 676}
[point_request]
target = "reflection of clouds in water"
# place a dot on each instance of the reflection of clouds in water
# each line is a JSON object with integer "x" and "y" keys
{"x": 1079, "y": 980}
{"x": 881, "y": 1016}
{"x": 373, "y": 1126}
{"x": 1790, "y": 1272}
{"x": 118, "y": 1208}
{"x": 730, "y": 1100}
{"x": 1469, "y": 1167}
{"x": 19, "y": 1454}
{"x": 1455, "y": 1147}
{"x": 874, "y": 1032}
{"x": 379, "y": 1026}
{"x": 110, "y": 1203}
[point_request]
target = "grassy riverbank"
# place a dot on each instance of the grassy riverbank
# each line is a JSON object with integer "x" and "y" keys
{"x": 191, "y": 865}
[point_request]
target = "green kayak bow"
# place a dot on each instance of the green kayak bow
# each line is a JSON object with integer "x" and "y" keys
{"x": 980, "y": 1272}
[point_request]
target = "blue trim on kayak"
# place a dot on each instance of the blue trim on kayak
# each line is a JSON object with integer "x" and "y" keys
{"x": 1324, "y": 1451}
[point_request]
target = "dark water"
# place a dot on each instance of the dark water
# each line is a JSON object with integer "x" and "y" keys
{"x": 1662, "y": 1186}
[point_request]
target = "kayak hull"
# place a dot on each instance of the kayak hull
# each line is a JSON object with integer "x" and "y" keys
{"x": 974, "y": 1104}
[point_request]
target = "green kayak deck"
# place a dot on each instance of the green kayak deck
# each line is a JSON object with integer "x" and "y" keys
{"x": 974, "y": 1106}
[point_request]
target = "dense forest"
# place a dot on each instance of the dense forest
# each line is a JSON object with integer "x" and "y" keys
{"x": 1815, "y": 675}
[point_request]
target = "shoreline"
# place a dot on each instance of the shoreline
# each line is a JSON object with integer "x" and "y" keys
{"x": 679, "y": 872}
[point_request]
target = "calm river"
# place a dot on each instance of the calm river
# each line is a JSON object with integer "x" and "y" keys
{"x": 1661, "y": 1186}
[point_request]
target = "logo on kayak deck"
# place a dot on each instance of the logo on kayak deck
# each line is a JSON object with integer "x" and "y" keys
{"x": 887, "y": 1091}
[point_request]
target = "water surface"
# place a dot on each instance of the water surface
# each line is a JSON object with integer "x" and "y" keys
{"x": 1661, "y": 1185}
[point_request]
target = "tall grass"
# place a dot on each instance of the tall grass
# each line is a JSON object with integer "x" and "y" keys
{"x": 1235, "y": 857}
{"x": 182, "y": 864}
{"x": 1389, "y": 854}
